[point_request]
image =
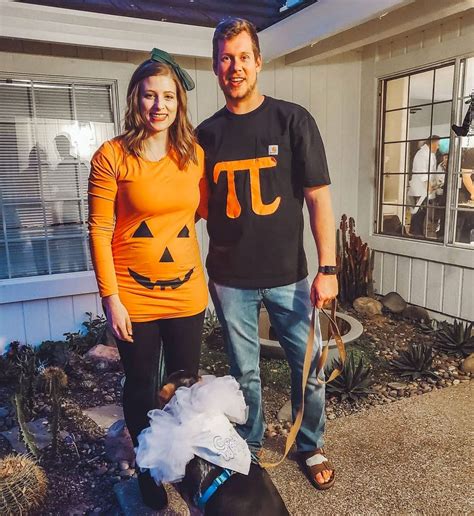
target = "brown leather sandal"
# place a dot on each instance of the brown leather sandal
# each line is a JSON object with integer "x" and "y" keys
{"x": 315, "y": 462}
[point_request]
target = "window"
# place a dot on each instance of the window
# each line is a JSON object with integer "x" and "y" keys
{"x": 48, "y": 133}
{"x": 421, "y": 194}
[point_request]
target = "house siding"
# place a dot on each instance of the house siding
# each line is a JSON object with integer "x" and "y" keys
{"x": 33, "y": 310}
{"x": 437, "y": 277}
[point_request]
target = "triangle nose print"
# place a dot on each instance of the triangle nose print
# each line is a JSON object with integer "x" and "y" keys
{"x": 166, "y": 257}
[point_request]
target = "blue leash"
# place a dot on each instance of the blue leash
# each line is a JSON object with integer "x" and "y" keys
{"x": 204, "y": 498}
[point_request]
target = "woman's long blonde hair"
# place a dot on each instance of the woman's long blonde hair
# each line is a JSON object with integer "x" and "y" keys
{"x": 181, "y": 132}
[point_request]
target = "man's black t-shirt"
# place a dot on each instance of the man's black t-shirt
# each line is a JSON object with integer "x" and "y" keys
{"x": 258, "y": 164}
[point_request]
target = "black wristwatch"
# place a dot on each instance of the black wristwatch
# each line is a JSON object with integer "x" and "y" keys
{"x": 327, "y": 269}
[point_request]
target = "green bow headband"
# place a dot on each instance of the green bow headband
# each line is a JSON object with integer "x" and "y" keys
{"x": 163, "y": 57}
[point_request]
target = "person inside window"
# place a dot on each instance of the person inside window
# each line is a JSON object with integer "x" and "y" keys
{"x": 465, "y": 219}
{"x": 424, "y": 164}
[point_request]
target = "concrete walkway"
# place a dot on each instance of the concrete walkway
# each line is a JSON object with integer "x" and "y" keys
{"x": 413, "y": 456}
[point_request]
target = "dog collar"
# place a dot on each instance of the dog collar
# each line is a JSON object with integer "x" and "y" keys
{"x": 203, "y": 499}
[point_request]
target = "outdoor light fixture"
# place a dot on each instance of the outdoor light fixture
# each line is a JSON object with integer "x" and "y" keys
{"x": 290, "y": 4}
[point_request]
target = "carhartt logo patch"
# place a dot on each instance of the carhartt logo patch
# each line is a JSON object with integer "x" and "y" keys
{"x": 273, "y": 150}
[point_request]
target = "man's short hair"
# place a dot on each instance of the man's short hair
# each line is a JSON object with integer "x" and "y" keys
{"x": 228, "y": 29}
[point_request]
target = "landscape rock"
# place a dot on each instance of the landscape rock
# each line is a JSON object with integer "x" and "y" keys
{"x": 105, "y": 415}
{"x": 39, "y": 430}
{"x": 394, "y": 302}
{"x": 108, "y": 338}
{"x": 468, "y": 364}
{"x": 367, "y": 306}
{"x": 416, "y": 313}
{"x": 131, "y": 503}
{"x": 101, "y": 353}
{"x": 284, "y": 413}
{"x": 118, "y": 443}
{"x": 397, "y": 386}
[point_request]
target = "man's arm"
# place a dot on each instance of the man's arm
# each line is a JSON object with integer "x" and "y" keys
{"x": 468, "y": 183}
{"x": 318, "y": 199}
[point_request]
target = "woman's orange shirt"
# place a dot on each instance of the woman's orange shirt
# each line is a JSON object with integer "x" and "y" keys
{"x": 142, "y": 233}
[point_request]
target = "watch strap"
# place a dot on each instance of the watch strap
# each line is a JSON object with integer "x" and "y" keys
{"x": 328, "y": 269}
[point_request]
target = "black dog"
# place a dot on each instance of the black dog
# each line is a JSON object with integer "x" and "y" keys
{"x": 239, "y": 495}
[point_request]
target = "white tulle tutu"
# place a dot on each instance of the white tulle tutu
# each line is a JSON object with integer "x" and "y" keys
{"x": 196, "y": 421}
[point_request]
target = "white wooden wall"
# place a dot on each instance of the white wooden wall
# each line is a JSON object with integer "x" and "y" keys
{"x": 439, "y": 287}
{"x": 434, "y": 276}
{"x": 329, "y": 90}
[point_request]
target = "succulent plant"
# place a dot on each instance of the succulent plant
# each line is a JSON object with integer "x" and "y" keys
{"x": 415, "y": 362}
{"x": 431, "y": 327}
{"x": 354, "y": 381}
{"x": 23, "y": 485}
{"x": 456, "y": 338}
{"x": 212, "y": 330}
{"x": 56, "y": 381}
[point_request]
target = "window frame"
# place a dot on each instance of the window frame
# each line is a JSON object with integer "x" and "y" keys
{"x": 454, "y": 159}
{"x": 43, "y": 283}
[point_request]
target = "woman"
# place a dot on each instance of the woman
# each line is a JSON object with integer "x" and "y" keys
{"x": 145, "y": 187}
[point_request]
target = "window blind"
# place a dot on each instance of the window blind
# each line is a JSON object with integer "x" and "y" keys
{"x": 48, "y": 134}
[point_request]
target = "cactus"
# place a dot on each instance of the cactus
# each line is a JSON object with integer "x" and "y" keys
{"x": 25, "y": 434}
{"x": 355, "y": 263}
{"x": 27, "y": 362}
{"x": 56, "y": 381}
{"x": 23, "y": 485}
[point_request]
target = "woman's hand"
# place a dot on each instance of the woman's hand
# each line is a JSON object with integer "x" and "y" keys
{"x": 118, "y": 318}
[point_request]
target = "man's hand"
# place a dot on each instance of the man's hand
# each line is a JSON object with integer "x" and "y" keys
{"x": 118, "y": 318}
{"x": 323, "y": 289}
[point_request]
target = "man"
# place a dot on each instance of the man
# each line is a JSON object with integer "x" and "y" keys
{"x": 420, "y": 186}
{"x": 263, "y": 157}
{"x": 465, "y": 218}
{"x": 67, "y": 185}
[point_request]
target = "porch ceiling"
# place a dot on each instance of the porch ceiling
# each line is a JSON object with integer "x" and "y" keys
{"x": 313, "y": 30}
{"x": 204, "y": 13}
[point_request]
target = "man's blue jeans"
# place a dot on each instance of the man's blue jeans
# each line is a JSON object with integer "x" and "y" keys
{"x": 289, "y": 309}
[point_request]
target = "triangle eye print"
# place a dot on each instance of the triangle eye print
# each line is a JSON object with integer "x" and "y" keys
{"x": 143, "y": 231}
{"x": 184, "y": 233}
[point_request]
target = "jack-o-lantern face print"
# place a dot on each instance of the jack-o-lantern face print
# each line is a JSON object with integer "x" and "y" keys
{"x": 143, "y": 231}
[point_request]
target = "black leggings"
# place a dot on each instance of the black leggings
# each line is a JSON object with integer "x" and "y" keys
{"x": 181, "y": 338}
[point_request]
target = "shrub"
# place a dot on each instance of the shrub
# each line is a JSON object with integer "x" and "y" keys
{"x": 81, "y": 342}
